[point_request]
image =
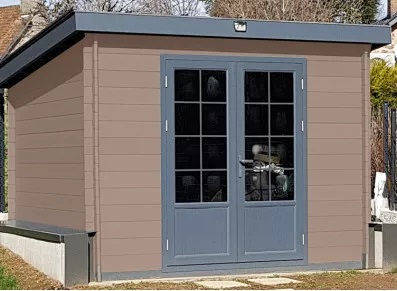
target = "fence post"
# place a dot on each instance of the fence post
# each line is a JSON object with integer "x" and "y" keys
{"x": 2, "y": 153}
{"x": 393, "y": 159}
{"x": 385, "y": 136}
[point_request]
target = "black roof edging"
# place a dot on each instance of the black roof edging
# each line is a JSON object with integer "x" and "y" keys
{"x": 68, "y": 29}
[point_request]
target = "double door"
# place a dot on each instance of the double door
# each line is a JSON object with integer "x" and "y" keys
{"x": 235, "y": 161}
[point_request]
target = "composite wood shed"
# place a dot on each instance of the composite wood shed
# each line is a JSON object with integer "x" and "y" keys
{"x": 150, "y": 146}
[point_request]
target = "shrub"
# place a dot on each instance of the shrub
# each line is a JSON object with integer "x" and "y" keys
{"x": 7, "y": 282}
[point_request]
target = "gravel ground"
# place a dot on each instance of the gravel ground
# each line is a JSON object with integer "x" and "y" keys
{"x": 30, "y": 279}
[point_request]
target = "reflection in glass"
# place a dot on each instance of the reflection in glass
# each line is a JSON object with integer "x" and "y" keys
{"x": 187, "y": 153}
{"x": 214, "y": 153}
{"x": 187, "y": 119}
{"x": 281, "y": 87}
{"x": 214, "y": 119}
{"x": 282, "y": 151}
{"x": 213, "y": 86}
{"x": 215, "y": 186}
{"x": 187, "y": 85}
{"x": 283, "y": 186}
{"x": 256, "y": 120}
{"x": 187, "y": 186}
{"x": 282, "y": 120}
{"x": 256, "y": 87}
{"x": 256, "y": 186}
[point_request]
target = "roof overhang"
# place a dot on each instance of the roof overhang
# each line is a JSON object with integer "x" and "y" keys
{"x": 72, "y": 26}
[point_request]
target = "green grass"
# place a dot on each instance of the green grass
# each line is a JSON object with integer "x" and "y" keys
{"x": 7, "y": 282}
{"x": 394, "y": 270}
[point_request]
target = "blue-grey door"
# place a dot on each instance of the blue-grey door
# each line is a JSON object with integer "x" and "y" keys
{"x": 233, "y": 161}
{"x": 270, "y": 192}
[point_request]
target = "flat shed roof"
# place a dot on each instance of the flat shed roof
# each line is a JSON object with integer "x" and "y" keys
{"x": 72, "y": 27}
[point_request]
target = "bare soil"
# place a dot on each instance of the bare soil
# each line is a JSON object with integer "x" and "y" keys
{"x": 31, "y": 279}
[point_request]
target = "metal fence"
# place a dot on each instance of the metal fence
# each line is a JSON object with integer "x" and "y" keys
{"x": 389, "y": 153}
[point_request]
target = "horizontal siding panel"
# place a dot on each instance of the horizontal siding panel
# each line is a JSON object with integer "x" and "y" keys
{"x": 135, "y": 229}
{"x": 332, "y": 131}
{"x": 68, "y": 155}
{"x": 130, "y": 179}
{"x": 69, "y": 219}
{"x": 128, "y": 163}
{"x": 334, "y": 84}
{"x": 130, "y": 196}
{"x": 129, "y": 79}
{"x": 334, "y": 69}
{"x": 334, "y": 146}
{"x": 335, "y": 192}
{"x": 131, "y": 263}
{"x": 55, "y": 202}
{"x": 51, "y": 186}
{"x": 334, "y": 208}
{"x": 61, "y": 171}
{"x": 335, "y": 238}
{"x": 334, "y": 162}
{"x": 129, "y": 129}
{"x": 333, "y": 100}
{"x": 334, "y": 115}
{"x": 140, "y": 63}
{"x": 51, "y": 109}
{"x": 129, "y": 96}
{"x": 48, "y": 140}
{"x": 130, "y": 146}
{"x": 135, "y": 246}
{"x": 130, "y": 112}
{"x": 335, "y": 223}
{"x": 50, "y": 124}
{"x": 335, "y": 254}
{"x": 130, "y": 213}
{"x": 72, "y": 89}
{"x": 334, "y": 177}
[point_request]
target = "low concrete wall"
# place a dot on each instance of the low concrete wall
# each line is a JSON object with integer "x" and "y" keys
{"x": 47, "y": 257}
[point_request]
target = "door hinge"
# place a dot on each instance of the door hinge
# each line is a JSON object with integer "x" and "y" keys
{"x": 166, "y": 125}
{"x": 166, "y": 82}
{"x": 166, "y": 245}
{"x": 302, "y": 85}
{"x": 303, "y": 126}
{"x": 303, "y": 239}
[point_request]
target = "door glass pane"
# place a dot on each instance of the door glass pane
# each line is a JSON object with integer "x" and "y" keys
{"x": 214, "y": 119}
{"x": 213, "y": 86}
{"x": 282, "y": 87}
{"x": 283, "y": 185}
{"x": 256, "y": 88}
{"x": 256, "y": 120}
{"x": 187, "y": 119}
{"x": 256, "y": 186}
{"x": 214, "y": 186}
{"x": 187, "y": 187}
{"x": 200, "y": 136}
{"x": 214, "y": 152}
{"x": 187, "y": 85}
{"x": 187, "y": 153}
{"x": 281, "y": 119}
{"x": 257, "y": 148}
{"x": 282, "y": 151}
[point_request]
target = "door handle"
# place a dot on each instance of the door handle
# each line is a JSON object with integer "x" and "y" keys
{"x": 242, "y": 164}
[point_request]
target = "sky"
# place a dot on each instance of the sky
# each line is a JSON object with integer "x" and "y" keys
{"x": 9, "y": 2}
{"x": 381, "y": 12}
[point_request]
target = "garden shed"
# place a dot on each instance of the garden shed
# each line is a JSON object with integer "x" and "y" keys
{"x": 144, "y": 146}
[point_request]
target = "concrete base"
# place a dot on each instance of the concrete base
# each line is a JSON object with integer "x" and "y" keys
{"x": 47, "y": 257}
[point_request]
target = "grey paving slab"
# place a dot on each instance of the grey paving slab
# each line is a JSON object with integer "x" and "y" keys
{"x": 218, "y": 284}
{"x": 273, "y": 281}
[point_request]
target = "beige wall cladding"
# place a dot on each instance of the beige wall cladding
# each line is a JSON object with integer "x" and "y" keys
{"x": 48, "y": 147}
{"x": 130, "y": 131}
